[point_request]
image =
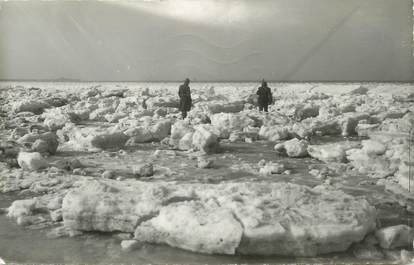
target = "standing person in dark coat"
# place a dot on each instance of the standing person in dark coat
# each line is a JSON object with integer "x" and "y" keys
{"x": 265, "y": 96}
{"x": 185, "y": 98}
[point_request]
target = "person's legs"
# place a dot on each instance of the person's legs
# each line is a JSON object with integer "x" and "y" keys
{"x": 260, "y": 108}
{"x": 265, "y": 108}
{"x": 184, "y": 114}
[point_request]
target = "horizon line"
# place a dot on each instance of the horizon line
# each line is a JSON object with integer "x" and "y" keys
{"x": 68, "y": 80}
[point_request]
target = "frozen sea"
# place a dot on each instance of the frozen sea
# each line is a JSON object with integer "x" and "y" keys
{"x": 21, "y": 245}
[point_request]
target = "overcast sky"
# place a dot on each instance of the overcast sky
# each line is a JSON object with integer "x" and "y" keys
{"x": 209, "y": 40}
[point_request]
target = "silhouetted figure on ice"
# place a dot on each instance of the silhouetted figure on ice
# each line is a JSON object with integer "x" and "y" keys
{"x": 265, "y": 96}
{"x": 185, "y": 98}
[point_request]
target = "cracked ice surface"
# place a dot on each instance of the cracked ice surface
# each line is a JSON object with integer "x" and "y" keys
{"x": 254, "y": 218}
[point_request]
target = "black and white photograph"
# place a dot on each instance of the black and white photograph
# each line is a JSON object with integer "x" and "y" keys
{"x": 138, "y": 132}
